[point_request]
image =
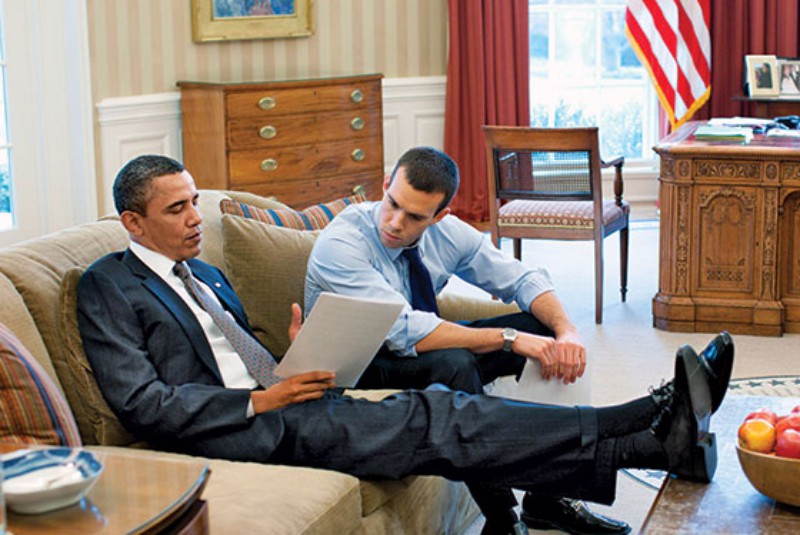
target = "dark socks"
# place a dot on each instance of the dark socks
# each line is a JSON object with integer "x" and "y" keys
{"x": 630, "y": 417}
{"x": 639, "y": 450}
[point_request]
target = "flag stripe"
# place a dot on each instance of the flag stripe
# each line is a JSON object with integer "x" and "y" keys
{"x": 672, "y": 40}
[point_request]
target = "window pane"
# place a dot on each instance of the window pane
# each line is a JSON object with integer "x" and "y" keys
{"x": 6, "y": 217}
{"x": 576, "y": 46}
{"x": 619, "y": 60}
{"x": 576, "y": 107}
{"x": 540, "y": 44}
{"x": 621, "y": 122}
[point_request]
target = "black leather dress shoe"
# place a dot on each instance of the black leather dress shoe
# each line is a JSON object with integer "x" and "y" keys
{"x": 717, "y": 361}
{"x": 571, "y": 516}
{"x": 682, "y": 425}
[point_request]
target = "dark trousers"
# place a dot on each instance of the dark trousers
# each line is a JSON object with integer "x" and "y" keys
{"x": 481, "y": 439}
{"x": 458, "y": 369}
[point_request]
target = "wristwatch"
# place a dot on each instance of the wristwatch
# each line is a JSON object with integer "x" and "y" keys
{"x": 509, "y": 335}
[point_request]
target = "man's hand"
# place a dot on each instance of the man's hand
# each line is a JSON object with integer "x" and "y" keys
{"x": 563, "y": 357}
{"x": 571, "y": 357}
{"x": 295, "y": 389}
{"x": 296, "y": 323}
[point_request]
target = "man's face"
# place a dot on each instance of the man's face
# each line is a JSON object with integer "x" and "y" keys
{"x": 171, "y": 224}
{"x": 406, "y": 212}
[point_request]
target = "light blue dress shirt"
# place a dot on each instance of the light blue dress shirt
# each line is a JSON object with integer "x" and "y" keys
{"x": 348, "y": 258}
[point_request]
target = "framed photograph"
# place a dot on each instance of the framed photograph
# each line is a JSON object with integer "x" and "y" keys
{"x": 789, "y": 77}
{"x": 762, "y": 76}
{"x": 232, "y": 20}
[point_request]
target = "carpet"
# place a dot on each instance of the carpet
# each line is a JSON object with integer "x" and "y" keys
{"x": 777, "y": 385}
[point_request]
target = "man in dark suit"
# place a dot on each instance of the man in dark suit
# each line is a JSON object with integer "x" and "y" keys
{"x": 173, "y": 378}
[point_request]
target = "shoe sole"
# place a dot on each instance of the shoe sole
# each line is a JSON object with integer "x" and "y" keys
{"x": 692, "y": 378}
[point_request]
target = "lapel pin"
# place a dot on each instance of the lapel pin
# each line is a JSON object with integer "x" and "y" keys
{"x": 217, "y": 284}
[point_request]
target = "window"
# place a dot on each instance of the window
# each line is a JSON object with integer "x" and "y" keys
{"x": 584, "y": 73}
{"x": 6, "y": 214}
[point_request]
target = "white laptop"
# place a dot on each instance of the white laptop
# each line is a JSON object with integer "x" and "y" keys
{"x": 341, "y": 334}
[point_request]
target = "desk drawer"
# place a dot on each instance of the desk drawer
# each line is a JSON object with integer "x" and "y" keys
{"x": 305, "y": 161}
{"x": 268, "y": 102}
{"x": 285, "y": 130}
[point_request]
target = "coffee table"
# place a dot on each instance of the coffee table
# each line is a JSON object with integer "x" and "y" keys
{"x": 138, "y": 492}
{"x": 729, "y": 504}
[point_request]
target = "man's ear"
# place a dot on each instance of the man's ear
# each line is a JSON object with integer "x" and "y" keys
{"x": 131, "y": 222}
{"x": 386, "y": 181}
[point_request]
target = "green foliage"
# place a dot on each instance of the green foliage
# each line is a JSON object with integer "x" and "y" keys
{"x": 5, "y": 192}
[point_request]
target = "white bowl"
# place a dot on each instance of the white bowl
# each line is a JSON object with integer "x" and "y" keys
{"x": 38, "y": 481}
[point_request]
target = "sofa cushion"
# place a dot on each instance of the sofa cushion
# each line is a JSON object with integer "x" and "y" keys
{"x": 266, "y": 265}
{"x": 208, "y": 203}
{"x": 97, "y": 421}
{"x": 247, "y": 497}
{"x": 312, "y": 218}
{"x": 32, "y": 409}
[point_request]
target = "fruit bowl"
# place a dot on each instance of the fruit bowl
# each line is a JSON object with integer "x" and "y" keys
{"x": 773, "y": 476}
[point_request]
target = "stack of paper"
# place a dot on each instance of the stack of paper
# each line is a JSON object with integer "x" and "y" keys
{"x": 722, "y": 133}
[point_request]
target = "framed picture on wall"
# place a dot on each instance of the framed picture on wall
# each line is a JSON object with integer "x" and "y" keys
{"x": 789, "y": 77}
{"x": 232, "y": 20}
{"x": 762, "y": 76}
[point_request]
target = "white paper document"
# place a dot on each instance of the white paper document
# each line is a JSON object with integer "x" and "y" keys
{"x": 532, "y": 387}
{"x": 342, "y": 335}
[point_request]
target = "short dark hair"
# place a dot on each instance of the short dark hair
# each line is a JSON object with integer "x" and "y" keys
{"x": 430, "y": 170}
{"x": 132, "y": 185}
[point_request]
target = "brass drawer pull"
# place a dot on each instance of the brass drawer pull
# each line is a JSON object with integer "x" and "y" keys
{"x": 358, "y": 155}
{"x": 266, "y": 103}
{"x": 357, "y": 96}
{"x": 357, "y": 123}
{"x": 268, "y": 132}
{"x": 270, "y": 164}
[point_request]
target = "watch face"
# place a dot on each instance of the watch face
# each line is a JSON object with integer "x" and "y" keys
{"x": 509, "y": 335}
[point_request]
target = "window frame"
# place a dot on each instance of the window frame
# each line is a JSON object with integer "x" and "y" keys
{"x": 49, "y": 116}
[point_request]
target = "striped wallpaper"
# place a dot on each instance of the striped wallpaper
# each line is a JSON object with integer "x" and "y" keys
{"x": 139, "y": 47}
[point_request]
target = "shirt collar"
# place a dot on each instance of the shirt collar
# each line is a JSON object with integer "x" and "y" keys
{"x": 157, "y": 262}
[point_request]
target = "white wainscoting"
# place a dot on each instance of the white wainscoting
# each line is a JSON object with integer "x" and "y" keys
{"x": 413, "y": 114}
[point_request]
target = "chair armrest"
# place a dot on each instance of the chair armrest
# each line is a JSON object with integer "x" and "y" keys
{"x": 617, "y": 163}
{"x": 460, "y": 308}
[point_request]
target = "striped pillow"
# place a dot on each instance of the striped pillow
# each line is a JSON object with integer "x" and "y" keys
{"x": 32, "y": 409}
{"x": 312, "y": 218}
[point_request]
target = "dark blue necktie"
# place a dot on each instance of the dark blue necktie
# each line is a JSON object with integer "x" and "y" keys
{"x": 422, "y": 296}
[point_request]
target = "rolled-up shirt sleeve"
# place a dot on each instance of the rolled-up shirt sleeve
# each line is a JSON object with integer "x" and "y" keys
{"x": 480, "y": 263}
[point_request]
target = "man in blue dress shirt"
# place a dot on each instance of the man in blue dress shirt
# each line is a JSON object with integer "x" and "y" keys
{"x": 361, "y": 253}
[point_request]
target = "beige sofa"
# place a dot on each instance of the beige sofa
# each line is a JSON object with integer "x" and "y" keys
{"x": 266, "y": 265}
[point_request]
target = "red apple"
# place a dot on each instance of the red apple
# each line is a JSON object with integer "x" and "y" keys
{"x": 764, "y": 414}
{"x": 788, "y": 444}
{"x": 790, "y": 421}
{"x": 757, "y": 435}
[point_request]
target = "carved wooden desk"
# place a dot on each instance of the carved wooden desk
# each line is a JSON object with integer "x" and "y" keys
{"x": 730, "y": 235}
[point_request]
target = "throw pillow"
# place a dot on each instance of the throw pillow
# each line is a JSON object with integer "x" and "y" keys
{"x": 312, "y": 218}
{"x": 32, "y": 409}
{"x": 98, "y": 422}
{"x": 266, "y": 265}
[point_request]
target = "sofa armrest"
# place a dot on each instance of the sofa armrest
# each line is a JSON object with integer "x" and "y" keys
{"x": 460, "y": 308}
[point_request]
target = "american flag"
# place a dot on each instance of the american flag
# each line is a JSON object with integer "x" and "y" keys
{"x": 672, "y": 40}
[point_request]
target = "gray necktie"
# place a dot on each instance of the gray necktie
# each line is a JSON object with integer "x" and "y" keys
{"x": 259, "y": 362}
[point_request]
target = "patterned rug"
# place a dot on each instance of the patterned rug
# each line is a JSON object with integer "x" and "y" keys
{"x": 778, "y": 386}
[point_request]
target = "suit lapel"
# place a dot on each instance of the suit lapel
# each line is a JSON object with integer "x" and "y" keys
{"x": 176, "y": 306}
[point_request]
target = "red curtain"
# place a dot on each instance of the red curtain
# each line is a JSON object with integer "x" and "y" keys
{"x": 738, "y": 28}
{"x": 487, "y": 83}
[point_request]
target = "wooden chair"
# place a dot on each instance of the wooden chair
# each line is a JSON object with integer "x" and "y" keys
{"x": 545, "y": 183}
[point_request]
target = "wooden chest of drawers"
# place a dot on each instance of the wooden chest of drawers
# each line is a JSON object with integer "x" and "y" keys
{"x": 303, "y": 141}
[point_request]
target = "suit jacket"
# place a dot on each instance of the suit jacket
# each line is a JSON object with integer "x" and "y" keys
{"x": 155, "y": 366}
